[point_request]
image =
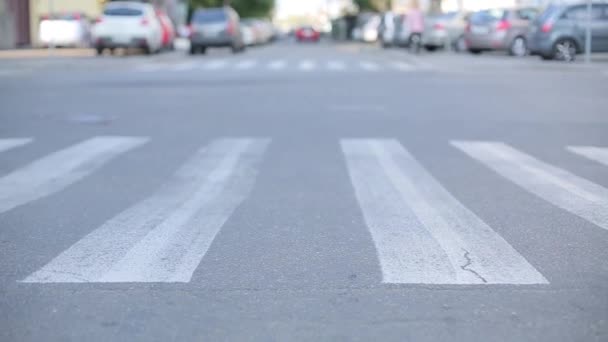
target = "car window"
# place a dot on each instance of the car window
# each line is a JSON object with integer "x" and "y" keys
{"x": 580, "y": 13}
{"x": 549, "y": 12}
{"x": 487, "y": 16}
{"x": 209, "y": 16}
{"x": 526, "y": 14}
{"x": 123, "y": 12}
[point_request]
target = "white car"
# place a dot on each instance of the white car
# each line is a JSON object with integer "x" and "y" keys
{"x": 64, "y": 30}
{"x": 128, "y": 24}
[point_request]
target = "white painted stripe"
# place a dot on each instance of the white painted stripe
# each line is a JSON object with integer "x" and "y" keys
{"x": 307, "y": 65}
{"x": 336, "y": 65}
{"x": 8, "y": 144}
{"x": 424, "y": 235}
{"x": 369, "y": 66}
{"x": 599, "y": 154}
{"x": 214, "y": 65}
{"x": 246, "y": 64}
{"x": 60, "y": 169}
{"x": 402, "y": 66}
{"x": 164, "y": 238}
{"x": 277, "y": 65}
{"x": 557, "y": 186}
{"x": 185, "y": 66}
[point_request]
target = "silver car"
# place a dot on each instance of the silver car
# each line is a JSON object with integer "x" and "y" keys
{"x": 499, "y": 29}
{"x": 215, "y": 27}
{"x": 445, "y": 29}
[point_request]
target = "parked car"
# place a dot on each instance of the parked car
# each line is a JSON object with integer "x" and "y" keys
{"x": 168, "y": 30}
{"x": 367, "y": 28}
{"x": 307, "y": 34}
{"x": 128, "y": 24}
{"x": 499, "y": 29}
{"x": 249, "y": 33}
{"x": 445, "y": 28}
{"x": 559, "y": 32}
{"x": 402, "y": 32}
{"x": 215, "y": 27}
{"x": 65, "y": 30}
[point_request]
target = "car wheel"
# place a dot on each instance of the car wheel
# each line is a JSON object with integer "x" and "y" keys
{"x": 475, "y": 51}
{"x": 430, "y": 48}
{"x": 99, "y": 50}
{"x": 203, "y": 50}
{"x": 460, "y": 45}
{"x": 565, "y": 50}
{"x": 147, "y": 50}
{"x": 193, "y": 49}
{"x": 518, "y": 47}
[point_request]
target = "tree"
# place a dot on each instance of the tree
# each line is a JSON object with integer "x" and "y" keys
{"x": 245, "y": 8}
{"x": 373, "y": 5}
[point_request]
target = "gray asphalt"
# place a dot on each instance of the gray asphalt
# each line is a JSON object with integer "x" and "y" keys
{"x": 296, "y": 261}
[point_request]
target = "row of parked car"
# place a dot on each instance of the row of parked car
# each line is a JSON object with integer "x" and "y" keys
{"x": 134, "y": 24}
{"x": 555, "y": 32}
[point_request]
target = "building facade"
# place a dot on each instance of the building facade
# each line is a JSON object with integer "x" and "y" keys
{"x": 14, "y": 23}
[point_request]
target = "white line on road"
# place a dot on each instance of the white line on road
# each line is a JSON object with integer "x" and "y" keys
{"x": 214, "y": 65}
{"x": 557, "y": 186}
{"x": 164, "y": 238}
{"x": 60, "y": 169}
{"x": 277, "y": 65}
{"x": 336, "y": 65}
{"x": 246, "y": 64}
{"x": 599, "y": 154}
{"x": 402, "y": 66}
{"x": 369, "y": 66}
{"x": 307, "y": 65}
{"x": 7, "y": 144}
{"x": 424, "y": 235}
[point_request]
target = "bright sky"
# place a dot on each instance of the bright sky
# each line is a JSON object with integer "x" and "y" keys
{"x": 295, "y": 7}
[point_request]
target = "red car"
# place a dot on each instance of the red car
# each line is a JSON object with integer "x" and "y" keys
{"x": 307, "y": 33}
{"x": 168, "y": 30}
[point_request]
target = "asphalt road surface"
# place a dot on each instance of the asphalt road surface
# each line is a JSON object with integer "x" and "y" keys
{"x": 303, "y": 192}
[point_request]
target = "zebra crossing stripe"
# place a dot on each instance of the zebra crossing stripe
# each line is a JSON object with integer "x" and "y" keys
{"x": 422, "y": 234}
{"x": 402, "y": 66}
{"x": 277, "y": 65}
{"x": 599, "y": 154}
{"x": 8, "y": 144}
{"x": 307, "y": 65}
{"x": 60, "y": 169}
{"x": 557, "y": 186}
{"x": 164, "y": 238}
{"x": 336, "y": 65}
{"x": 214, "y": 65}
{"x": 246, "y": 64}
{"x": 369, "y": 66}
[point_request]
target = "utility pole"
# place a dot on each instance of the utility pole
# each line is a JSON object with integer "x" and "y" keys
{"x": 51, "y": 13}
{"x": 588, "y": 34}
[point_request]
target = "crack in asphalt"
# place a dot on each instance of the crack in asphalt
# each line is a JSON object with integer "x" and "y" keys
{"x": 469, "y": 262}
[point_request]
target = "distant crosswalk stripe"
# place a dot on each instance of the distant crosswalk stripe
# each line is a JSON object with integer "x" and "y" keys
{"x": 369, "y": 66}
{"x": 277, "y": 65}
{"x": 422, "y": 233}
{"x": 214, "y": 65}
{"x": 599, "y": 154}
{"x": 336, "y": 65}
{"x": 164, "y": 238}
{"x": 60, "y": 169}
{"x": 7, "y": 144}
{"x": 402, "y": 66}
{"x": 557, "y": 186}
{"x": 246, "y": 64}
{"x": 183, "y": 66}
{"x": 307, "y": 65}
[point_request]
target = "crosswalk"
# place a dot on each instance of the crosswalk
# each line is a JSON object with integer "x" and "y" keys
{"x": 422, "y": 233}
{"x": 304, "y": 65}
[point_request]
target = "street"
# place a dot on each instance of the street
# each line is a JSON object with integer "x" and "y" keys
{"x": 303, "y": 192}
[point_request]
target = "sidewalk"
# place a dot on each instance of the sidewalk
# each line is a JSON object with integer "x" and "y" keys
{"x": 45, "y": 53}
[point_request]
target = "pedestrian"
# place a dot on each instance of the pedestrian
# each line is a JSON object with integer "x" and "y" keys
{"x": 415, "y": 22}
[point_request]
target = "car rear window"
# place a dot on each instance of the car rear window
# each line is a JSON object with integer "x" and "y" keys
{"x": 487, "y": 16}
{"x": 550, "y": 12}
{"x": 209, "y": 16}
{"x": 123, "y": 12}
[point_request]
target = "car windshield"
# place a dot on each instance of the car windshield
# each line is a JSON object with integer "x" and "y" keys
{"x": 487, "y": 16}
{"x": 122, "y": 12}
{"x": 209, "y": 16}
